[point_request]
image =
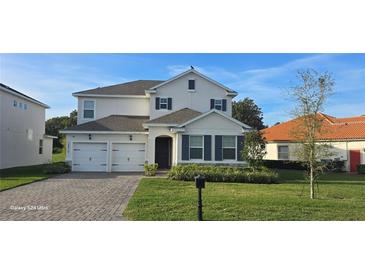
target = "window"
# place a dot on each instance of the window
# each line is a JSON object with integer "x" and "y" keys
{"x": 25, "y": 106}
{"x": 89, "y": 109}
{"x": 20, "y": 105}
{"x": 163, "y": 103}
{"x": 196, "y": 147}
{"x": 191, "y": 84}
{"x": 15, "y": 103}
{"x": 283, "y": 152}
{"x": 40, "y": 146}
{"x": 229, "y": 147}
{"x": 218, "y": 104}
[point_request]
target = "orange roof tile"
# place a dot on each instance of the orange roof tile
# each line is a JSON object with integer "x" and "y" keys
{"x": 333, "y": 129}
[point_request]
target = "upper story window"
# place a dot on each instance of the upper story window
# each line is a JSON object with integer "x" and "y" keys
{"x": 20, "y": 105}
{"x": 191, "y": 84}
{"x": 219, "y": 104}
{"x": 163, "y": 103}
{"x": 196, "y": 147}
{"x": 25, "y": 106}
{"x": 15, "y": 103}
{"x": 283, "y": 152}
{"x": 229, "y": 147}
{"x": 89, "y": 109}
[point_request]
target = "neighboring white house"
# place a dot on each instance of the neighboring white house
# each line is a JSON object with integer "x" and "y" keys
{"x": 22, "y": 130}
{"x": 345, "y": 135}
{"x": 186, "y": 119}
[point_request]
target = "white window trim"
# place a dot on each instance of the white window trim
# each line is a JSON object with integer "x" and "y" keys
{"x": 235, "y": 148}
{"x": 192, "y": 90}
{"x": 202, "y": 147}
{"x": 167, "y": 104}
{"x": 83, "y": 108}
{"x": 279, "y": 158}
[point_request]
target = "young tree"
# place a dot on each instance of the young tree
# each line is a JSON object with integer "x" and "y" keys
{"x": 254, "y": 149}
{"x": 310, "y": 96}
{"x": 246, "y": 111}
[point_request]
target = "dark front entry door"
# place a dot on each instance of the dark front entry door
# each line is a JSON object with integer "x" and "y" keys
{"x": 163, "y": 152}
{"x": 354, "y": 160}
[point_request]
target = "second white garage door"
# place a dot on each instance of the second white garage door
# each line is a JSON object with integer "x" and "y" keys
{"x": 128, "y": 157}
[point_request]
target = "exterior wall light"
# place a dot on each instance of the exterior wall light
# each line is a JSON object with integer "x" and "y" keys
{"x": 130, "y": 137}
{"x": 89, "y": 136}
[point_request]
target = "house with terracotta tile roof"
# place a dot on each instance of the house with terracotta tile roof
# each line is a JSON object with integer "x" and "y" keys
{"x": 345, "y": 135}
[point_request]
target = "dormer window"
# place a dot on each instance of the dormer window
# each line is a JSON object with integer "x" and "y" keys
{"x": 89, "y": 109}
{"x": 191, "y": 84}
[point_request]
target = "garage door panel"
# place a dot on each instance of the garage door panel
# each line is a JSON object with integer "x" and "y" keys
{"x": 89, "y": 157}
{"x": 128, "y": 157}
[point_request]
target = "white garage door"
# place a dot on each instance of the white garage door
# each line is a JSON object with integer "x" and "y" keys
{"x": 89, "y": 157}
{"x": 128, "y": 157}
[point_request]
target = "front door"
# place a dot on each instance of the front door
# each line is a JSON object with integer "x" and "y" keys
{"x": 163, "y": 152}
{"x": 354, "y": 160}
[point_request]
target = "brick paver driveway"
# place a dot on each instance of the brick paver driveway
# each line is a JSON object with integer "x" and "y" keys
{"x": 70, "y": 197}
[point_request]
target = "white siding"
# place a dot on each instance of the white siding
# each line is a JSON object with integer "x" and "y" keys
{"x": 213, "y": 124}
{"x": 20, "y": 131}
{"x": 182, "y": 98}
{"x": 114, "y": 106}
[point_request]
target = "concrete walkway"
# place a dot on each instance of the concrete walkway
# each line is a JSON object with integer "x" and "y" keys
{"x": 70, "y": 197}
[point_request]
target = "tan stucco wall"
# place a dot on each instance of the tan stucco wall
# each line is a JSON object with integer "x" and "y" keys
{"x": 20, "y": 132}
{"x": 341, "y": 149}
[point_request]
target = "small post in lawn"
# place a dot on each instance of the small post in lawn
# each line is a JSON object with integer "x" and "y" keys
{"x": 200, "y": 183}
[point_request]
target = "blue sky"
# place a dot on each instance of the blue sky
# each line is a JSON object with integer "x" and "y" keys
{"x": 52, "y": 78}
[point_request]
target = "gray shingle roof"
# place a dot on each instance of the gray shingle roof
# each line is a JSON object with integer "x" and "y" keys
{"x": 113, "y": 123}
{"x": 177, "y": 117}
{"x": 130, "y": 88}
{"x": 22, "y": 94}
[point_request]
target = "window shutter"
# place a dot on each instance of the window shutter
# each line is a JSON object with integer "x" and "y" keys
{"x": 212, "y": 103}
{"x": 240, "y": 145}
{"x": 224, "y": 105}
{"x": 157, "y": 102}
{"x": 169, "y": 103}
{"x": 218, "y": 147}
{"x": 207, "y": 147}
{"x": 185, "y": 147}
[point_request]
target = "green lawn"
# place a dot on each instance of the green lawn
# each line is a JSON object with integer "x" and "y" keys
{"x": 13, "y": 177}
{"x": 60, "y": 157}
{"x": 341, "y": 197}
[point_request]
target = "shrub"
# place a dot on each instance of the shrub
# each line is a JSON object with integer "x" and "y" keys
{"x": 284, "y": 164}
{"x": 150, "y": 169}
{"x": 56, "y": 168}
{"x": 223, "y": 174}
{"x": 361, "y": 169}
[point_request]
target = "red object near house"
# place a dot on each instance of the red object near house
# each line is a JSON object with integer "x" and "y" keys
{"x": 354, "y": 160}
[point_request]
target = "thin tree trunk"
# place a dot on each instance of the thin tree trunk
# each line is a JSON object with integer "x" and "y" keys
{"x": 311, "y": 183}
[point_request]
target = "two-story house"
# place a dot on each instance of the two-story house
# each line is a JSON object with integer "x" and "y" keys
{"x": 186, "y": 119}
{"x": 22, "y": 130}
